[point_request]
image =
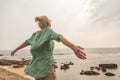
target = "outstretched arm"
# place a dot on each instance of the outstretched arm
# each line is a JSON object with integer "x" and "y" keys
{"x": 23, "y": 45}
{"x": 77, "y": 49}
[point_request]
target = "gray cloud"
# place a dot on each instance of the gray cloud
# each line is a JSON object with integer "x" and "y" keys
{"x": 105, "y": 10}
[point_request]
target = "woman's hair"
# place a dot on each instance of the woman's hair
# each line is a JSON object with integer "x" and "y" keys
{"x": 42, "y": 21}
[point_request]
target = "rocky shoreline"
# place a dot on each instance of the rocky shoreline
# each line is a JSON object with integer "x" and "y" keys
{"x": 103, "y": 67}
{"x": 14, "y": 63}
{"x": 94, "y": 70}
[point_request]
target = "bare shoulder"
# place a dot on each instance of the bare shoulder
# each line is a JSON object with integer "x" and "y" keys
{"x": 39, "y": 31}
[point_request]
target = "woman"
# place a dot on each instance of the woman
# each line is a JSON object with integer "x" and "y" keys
{"x": 42, "y": 45}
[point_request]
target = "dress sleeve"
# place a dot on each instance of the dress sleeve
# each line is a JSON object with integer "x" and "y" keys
{"x": 55, "y": 36}
{"x": 29, "y": 40}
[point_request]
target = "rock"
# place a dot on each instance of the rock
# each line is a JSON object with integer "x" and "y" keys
{"x": 23, "y": 59}
{"x": 89, "y": 73}
{"x": 1, "y": 54}
{"x": 4, "y": 62}
{"x": 71, "y": 63}
{"x": 97, "y": 68}
{"x": 64, "y": 67}
{"x": 18, "y": 66}
{"x": 109, "y": 74}
{"x": 55, "y": 66}
{"x": 55, "y": 61}
{"x": 104, "y": 70}
{"x": 82, "y": 72}
{"x": 108, "y": 66}
{"x": 91, "y": 68}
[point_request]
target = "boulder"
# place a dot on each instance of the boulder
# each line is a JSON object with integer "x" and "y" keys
{"x": 108, "y": 66}
{"x": 89, "y": 73}
{"x": 109, "y": 74}
{"x": 64, "y": 66}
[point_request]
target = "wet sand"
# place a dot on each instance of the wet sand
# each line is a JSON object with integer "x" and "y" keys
{"x": 19, "y": 71}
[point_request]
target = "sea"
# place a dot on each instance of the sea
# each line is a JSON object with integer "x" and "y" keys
{"x": 95, "y": 56}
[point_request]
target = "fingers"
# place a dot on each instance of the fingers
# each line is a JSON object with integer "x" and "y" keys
{"x": 81, "y": 56}
{"x": 80, "y": 48}
{"x": 79, "y": 53}
{"x": 12, "y": 53}
{"x": 82, "y": 53}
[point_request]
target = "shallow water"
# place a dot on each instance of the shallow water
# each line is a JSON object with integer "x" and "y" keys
{"x": 73, "y": 73}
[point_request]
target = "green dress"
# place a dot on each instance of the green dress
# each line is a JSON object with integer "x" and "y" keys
{"x": 42, "y": 46}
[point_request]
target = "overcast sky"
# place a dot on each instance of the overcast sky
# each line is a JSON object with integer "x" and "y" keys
{"x": 88, "y": 23}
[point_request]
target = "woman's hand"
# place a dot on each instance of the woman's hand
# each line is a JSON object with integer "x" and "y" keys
{"x": 78, "y": 52}
{"x": 77, "y": 49}
{"x": 18, "y": 48}
{"x": 13, "y": 52}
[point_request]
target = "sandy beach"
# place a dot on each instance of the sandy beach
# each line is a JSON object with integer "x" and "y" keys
{"x": 10, "y": 74}
{"x": 19, "y": 71}
{"x": 14, "y": 67}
